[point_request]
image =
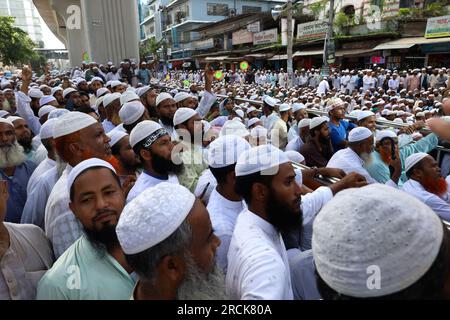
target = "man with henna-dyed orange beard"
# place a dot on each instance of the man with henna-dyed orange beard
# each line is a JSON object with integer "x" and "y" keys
{"x": 426, "y": 183}
{"x": 77, "y": 137}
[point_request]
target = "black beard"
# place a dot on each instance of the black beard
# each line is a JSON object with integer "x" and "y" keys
{"x": 167, "y": 121}
{"x": 282, "y": 217}
{"x": 164, "y": 166}
{"x": 104, "y": 239}
{"x": 26, "y": 144}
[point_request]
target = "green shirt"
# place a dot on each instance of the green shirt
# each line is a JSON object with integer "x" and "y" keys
{"x": 194, "y": 165}
{"x": 83, "y": 273}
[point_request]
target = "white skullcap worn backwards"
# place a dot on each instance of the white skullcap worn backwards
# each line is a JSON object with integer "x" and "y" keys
{"x": 109, "y": 98}
{"x": 374, "y": 228}
{"x": 153, "y": 216}
{"x": 131, "y": 112}
{"x": 182, "y": 115}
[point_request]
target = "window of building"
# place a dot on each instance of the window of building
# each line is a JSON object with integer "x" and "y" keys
{"x": 250, "y": 9}
{"x": 406, "y": 3}
{"x": 217, "y": 9}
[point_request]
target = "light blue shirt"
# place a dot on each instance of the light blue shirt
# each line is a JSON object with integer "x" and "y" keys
{"x": 303, "y": 276}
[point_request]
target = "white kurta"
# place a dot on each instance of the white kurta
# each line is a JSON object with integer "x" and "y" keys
{"x": 24, "y": 110}
{"x": 34, "y": 210}
{"x": 223, "y": 214}
{"x": 349, "y": 161}
{"x": 42, "y": 168}
{"x": 439, "y": 205}
{"x": 62, "y": 228}
{"x": 145, "y": 181}
{"x": 258, "y": 266}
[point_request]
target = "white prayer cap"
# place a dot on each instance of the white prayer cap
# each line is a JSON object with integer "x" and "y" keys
{"x": 116, "y": 136}
{"x": 45, "y": 110}
{"x": 143, "y": 90}
{"x": 414, "y": 159}
{"x": 420, "y": 114}
{"x": 270, "y": 101}
{"x": 295, "y": 156}
{"x": 374, "y": 226}
{"x": 115, "y": 83}
{"x": 258, "y": 132}
{"x": 153, "y": 216}
{"x": 174, "y": 91}
{"x": 45, "y": 100}
{"x": 47, "y": 129}
{"x": 131, "y": 112}
{"x": 182, "y": 115}
{"x": 252, "y": 121}
{"x": 143, "y": 130}
{"x": 6, "y": 121}
{"x": 97, "y": 79}
{"x": 35, "y": 93}
{"x": 251, "y": 109}
{"x": 57, "y": 113}
{"x": 317, "y": 121}
{"x": 3, "y": 113}
{"x": 385, "y": 134}
{"x": 364, "y": 114}
{"x": 298, "y": 106}
{"x": 335, "y": 103}
{"x": 181, "y": 96}
{"x": 14, "y": 118}
{"x": 128, "y": 96}
{"x": 101, "y": 91}
{"x": 110, "y": 98}
{"x": 265, "y": 159}
{"x": 83, "y": 166}
{"x": 72, "y": 122}
{"x": 68, "y": 91}
{"x": 56, "y": 89}
{"x": 225, "y": 150}
{"x": 239, "y": 113}
{"x": 359, "y": 134}
{"x": 285, "y": 107}
{"x": 163, "y": 96}
{"x": 304, "y": 123}
{"x": 232, "y": 127}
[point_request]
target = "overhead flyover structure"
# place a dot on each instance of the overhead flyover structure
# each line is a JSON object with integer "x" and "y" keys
{"x": 94, "y": 30}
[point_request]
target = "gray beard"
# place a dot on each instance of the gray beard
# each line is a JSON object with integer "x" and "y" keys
{"x": 200, "y": 286}
{"x": 367, "y": 158}
{"x": 60, "y": 165}
{"x": 12, "y": 156}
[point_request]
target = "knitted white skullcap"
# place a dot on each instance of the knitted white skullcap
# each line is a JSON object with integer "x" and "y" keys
{"x": 68, "y": 91}
{"x": 45, "y": 100}
{"x": 110, "y": 98}
{"x": 162, "y": 97}
{"x": 225, "y": 150}
{"x": 359, "y": 134}
{"x": 153, "y": 216}
{"x": 364, "y": 114}
{"x": 182, "y": 115}
{"x": 35, "y": 93}
{"x": 304, "y": 123}
{"x": 128, "y": 96}
{"x": 45, "y": 110}
{"x": 414, "y": 159}
{"x": 232, "y": 127}
{"x": 72, "y": 122}
{"x": 265, "y": 159}
{"x": 181, "y": 96}
{"x": 131, "y": 112}
{"x": 46, "y": 131}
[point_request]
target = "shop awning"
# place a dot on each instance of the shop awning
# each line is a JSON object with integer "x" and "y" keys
{"x": 257, "y": 55}
{"x": 219, "y": 58}
{"x": 279, "y": 57}
{"x": 406, "y": 43}
{"x": 308, "y": 53}
{"x": 353, "y": 52}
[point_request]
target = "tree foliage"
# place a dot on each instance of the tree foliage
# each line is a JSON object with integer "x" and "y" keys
{"x": 151, "y": 47}
{"x": 16, "y": 47}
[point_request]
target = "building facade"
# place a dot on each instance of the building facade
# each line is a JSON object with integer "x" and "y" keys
{"x": 26, "y": 17}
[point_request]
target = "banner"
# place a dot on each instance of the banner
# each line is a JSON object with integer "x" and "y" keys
{"x": 266, "y": 37}
{"x": 254, "y": 27}
{"x": 242, "y": 36}
{"x": 438, "y": 27}
{"x": 312, "y": 30}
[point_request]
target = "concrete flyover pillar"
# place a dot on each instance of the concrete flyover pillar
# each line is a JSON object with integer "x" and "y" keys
{"x": 112, "y": 29}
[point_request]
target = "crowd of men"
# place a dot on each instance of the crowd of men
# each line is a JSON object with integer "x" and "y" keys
{"x": 120, "y": 183}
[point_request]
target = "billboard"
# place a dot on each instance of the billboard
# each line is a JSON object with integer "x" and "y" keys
{"x": 438, "y": 27}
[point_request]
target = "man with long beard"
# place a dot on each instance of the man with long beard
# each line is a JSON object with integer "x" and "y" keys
{"x": 153, "y": 145}
{"x": 24, "y": 136}
{"x": 15, "y": 169}
{"x": 426, "y": 183}
{"x": 168, "y": 240}
{"x": 258, "y": 266}
{"x": 166, "y": 108}
{"x": 77, "y": 137}
{"x": 94, "y": 267}
{"x": 386, "y": 141}
{"x": 359, "y": 155}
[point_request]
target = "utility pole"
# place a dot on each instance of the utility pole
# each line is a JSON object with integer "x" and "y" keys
{"x": 290, "y": 40}
{"x": 329, "y": 42}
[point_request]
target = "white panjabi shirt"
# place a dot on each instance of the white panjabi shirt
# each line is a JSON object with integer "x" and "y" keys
{"x": 62, "y": 228}
{"x": 438, "y": 204}
{"x": 42, "y": 168}
{"x": 223, "y": 214}
{"x": 258, "y": 266}
{"x": 145, "y": 181}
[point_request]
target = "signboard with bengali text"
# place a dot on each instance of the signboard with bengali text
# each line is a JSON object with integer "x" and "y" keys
{"x": 266, "y": 37}
{"x": 438, "y": 27}
{"x": 312, "y": 30}
{"x": 242, "y": 36}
